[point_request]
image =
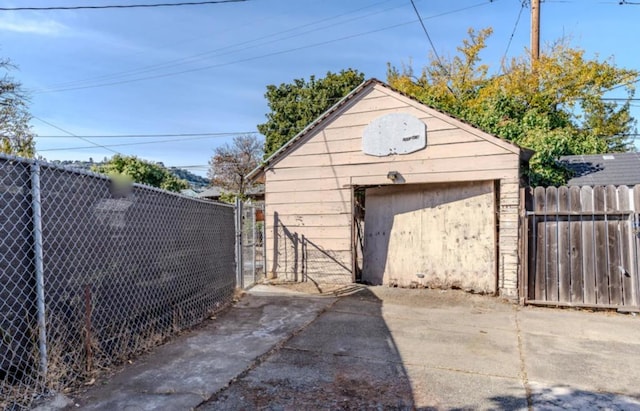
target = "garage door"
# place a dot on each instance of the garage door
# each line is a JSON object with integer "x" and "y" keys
{"x": 437, "y": 235}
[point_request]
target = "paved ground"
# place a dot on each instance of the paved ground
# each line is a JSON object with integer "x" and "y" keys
{"x": 385, "y": 348}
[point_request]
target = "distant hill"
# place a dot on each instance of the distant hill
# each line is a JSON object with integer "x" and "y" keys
{"x": 195, "y": 181}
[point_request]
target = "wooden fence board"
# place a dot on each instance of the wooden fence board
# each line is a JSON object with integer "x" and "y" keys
{"x": 576, "y": 247}
{"x": 635, "y": 231}
{"x": 615, "y": 280}
{"x": 541, "y": 245}
{"x": 626, "y": 250}
{"x": 613, "y": 252}
{"x": 564, "y": 248}
{"x": 613, "y": 245}
{"x": 531, "y": 246}
{"x": 551, "y": 233}
{"x": 602, "y": 264}
{"x": 588, "y": 247}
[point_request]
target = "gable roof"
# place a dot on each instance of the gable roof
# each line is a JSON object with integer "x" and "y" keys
{"x": 282, "y": 151}
{"x": 603, "y": 169}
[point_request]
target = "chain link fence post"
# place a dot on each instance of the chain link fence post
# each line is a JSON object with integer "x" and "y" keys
{"x": 254, "y": 244}
{"x": 39, "y": 267}
{"x": 239, "y": 260}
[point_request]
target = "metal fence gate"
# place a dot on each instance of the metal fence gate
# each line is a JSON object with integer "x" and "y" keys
{"x": 91, "y": 273}
{"x": 582, "y": 246}
{"x": 250, "y": 237}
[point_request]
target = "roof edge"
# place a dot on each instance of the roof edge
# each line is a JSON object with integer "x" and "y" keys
{"x": 257, "y": 171}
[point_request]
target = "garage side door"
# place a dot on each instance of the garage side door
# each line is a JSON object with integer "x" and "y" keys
{"x": 437, "y": 235}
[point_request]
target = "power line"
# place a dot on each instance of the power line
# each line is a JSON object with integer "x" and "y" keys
{"x": 628, "y": 83}
{"x": 215, "y": 52}
{"x": 120, "y": 6}
{"x": 73, "y": 135}
{"x": 272, "y": 54}
{"x": 435, "y": 52}
{"x": 244, "y": 60}
{"x": 127, "y": 144}
{"x": 221, "y": 134}
{"x": 513, "y": 32}
{"x": 618, "y": 99}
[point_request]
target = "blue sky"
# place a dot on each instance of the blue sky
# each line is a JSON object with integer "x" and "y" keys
{"x": 204, "y": 69}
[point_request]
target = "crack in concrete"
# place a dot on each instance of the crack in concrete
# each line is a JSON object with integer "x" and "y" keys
{"x": 523, "y": 368}
{"x": 263, "y": 357}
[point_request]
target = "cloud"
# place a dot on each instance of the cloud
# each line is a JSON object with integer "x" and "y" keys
{"x": 44, "y": 27}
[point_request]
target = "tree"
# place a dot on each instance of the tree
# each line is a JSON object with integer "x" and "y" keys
{"x": 16, "y": 136}
{"x": 141, "y": 171}
{"x": 293, "y": 106}
{"x": 555, "y": 105}
{"x": 231, "y": 163}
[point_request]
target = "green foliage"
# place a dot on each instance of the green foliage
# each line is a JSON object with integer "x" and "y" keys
{"x": 16, "y": 136}
{"x": 554, "y": 106}
{"x": 141, "y": 171}
{"x": 295, "y": 105}
{"x": 231, "y": 163}
{"x": 230, "y": 198}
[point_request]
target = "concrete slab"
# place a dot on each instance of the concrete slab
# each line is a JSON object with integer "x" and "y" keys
{"x": 303, "y": 380}
{"x": 596, "y": 326}
{"x": 447, "y": 389}
{"x": 455, "y": 317}
{"x": 191, "y": 368}
{"x": 383, "y": 348}
{"x": 339, "y": 333}
{"x": 602, "y": 366}
{"x": 581, "y": 350}
{"x": 481, "y": 351}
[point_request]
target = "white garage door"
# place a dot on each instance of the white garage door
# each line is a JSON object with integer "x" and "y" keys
{"x": 437, "y": 235}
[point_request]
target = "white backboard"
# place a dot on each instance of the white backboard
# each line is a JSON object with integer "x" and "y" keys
{"x": 395, "y": 133}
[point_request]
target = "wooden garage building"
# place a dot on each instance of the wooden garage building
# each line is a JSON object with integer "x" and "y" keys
{"x": 383, "y": 189}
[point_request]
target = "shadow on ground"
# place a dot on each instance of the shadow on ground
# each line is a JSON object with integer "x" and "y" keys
{"x": 561, "y": 397}
{"x": 345, "y": 359}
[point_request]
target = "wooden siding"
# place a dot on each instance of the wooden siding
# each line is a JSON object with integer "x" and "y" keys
{"x": 308, "y": 190}
{"x": 465, "y": 161}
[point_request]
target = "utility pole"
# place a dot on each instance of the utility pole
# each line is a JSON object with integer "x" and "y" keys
{"x": 535, "y": 30}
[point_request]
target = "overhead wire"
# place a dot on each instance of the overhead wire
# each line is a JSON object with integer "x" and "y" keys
{"x": 513, "y": 32}
{"x": 121, "y": 6}
{"x": 266, "y": 55}
{"x": 424, "y": 28}
{"x": 210, "y": 134}
{"x": 107, "y": 146}
{"x": 215, "y": 52}
{"x": 73, "y": 135}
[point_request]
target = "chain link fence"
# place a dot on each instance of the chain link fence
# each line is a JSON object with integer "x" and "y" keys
{"x": 92, "y": 273}
{"x": 251, "y": 243}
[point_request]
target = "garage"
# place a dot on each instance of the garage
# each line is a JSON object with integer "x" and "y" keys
{"x": 383, "y": 189}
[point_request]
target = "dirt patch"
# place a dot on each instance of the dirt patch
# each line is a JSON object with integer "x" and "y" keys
{"x": 309, "y": 287}
{"x": 416, "y": 297}
{"x": 295, "y": 380}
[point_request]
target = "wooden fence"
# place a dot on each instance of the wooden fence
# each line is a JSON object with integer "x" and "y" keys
{"x": 582, "y": 246}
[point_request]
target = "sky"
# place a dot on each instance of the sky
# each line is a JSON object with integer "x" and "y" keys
{"x": 189, "y": 78}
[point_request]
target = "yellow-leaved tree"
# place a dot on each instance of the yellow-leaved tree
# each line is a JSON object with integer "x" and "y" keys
{"x": 556, "y": 105}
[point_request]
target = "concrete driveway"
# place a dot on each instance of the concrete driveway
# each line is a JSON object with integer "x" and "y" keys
{"x": 385, "y": 348}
